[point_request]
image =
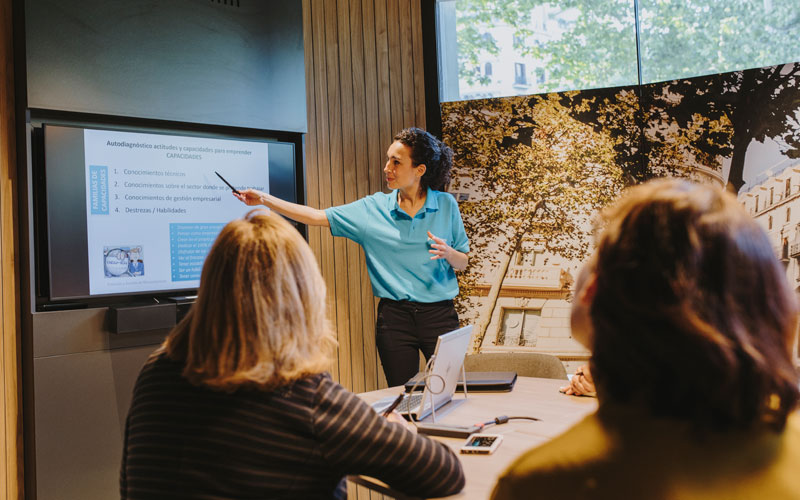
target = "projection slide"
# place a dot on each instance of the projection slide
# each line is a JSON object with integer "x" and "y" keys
{"x": 154, "y": 205}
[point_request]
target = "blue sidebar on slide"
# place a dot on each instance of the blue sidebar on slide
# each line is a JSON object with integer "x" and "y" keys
{"x": 189, "y": 244}
{"x": 98, "y": 189}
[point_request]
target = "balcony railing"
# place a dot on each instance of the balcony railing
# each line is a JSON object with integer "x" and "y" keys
{"x": 539, "y": 277}
{"x": 794, "y": 250}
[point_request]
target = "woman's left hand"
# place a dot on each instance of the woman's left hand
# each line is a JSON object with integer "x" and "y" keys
{"x": 581, "y": 384}
{"x": 441, "y": 250}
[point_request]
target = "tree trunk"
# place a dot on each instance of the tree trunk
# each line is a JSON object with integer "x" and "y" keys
{"x": 736, "y": 173}
{"x": 494, "y": 292}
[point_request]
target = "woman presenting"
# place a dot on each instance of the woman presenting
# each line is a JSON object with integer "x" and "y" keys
{"x": 413, "y": 240}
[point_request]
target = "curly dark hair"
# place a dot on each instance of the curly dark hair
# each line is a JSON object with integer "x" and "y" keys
{"x": 692, "y": 316}
{"x": 430, "y": 151}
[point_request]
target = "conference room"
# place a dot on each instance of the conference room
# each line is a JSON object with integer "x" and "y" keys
{"x": 502, "y": 138}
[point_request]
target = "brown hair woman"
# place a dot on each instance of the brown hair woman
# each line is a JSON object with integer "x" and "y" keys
{"x": 690, "y": 319}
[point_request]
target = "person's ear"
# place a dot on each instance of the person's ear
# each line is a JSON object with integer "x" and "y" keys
{"x": 588, "y": 291}
{"x": 421, "y": 169}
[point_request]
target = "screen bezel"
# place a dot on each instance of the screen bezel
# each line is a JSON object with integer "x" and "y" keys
{"x": 41, "y": 225}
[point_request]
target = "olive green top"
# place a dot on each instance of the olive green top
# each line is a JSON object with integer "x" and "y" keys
{"x": 644, "y": 457}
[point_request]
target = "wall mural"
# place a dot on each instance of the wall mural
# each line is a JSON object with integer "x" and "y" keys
{"x": 531, "y": 173}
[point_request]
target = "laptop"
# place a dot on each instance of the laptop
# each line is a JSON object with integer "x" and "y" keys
{"x": 448, "y": 358}
{"x": 476, "y": 382}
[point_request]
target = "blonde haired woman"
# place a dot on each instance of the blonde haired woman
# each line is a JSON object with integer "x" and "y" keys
{"x": 236, "y": 404}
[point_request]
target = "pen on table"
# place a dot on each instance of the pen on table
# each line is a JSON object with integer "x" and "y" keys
{"x": 392, "y": 406}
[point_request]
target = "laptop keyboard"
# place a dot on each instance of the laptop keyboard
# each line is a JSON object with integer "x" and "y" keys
{"x": 410, "y": 403}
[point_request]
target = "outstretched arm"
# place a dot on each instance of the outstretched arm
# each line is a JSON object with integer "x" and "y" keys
{"x": 294, "y": 211}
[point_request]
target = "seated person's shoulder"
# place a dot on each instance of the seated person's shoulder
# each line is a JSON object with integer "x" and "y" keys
{"x": 792, "y": 436}
{"x": 561, "y": 467}
{"x": 159, "y": 360}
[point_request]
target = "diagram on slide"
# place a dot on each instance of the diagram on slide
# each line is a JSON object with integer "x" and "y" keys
{"x": 123, "y": 261}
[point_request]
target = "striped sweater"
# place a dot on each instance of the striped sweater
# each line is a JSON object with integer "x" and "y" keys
{"x": 184, "y": 441}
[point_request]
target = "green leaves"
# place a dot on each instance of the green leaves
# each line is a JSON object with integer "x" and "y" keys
{"x": 593, "y": 43}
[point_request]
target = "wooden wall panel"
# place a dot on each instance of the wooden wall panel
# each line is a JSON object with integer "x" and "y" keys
{"x": 364, "y": 83}
{"x": 10, "y": 377}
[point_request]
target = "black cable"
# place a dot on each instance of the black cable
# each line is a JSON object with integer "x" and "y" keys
{"x": 502, "y": 419}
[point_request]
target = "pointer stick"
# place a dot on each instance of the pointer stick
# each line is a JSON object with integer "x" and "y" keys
{"x": 226, "y": 182}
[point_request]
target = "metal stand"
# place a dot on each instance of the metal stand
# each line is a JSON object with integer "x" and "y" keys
{"x": 464, "y": 380}
{"x": 463, "y": 385}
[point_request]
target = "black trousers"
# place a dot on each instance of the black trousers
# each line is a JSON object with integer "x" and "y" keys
{"x": 404, "y": 328}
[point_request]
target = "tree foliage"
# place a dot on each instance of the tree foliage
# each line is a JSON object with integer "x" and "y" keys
{"x": 533, "y": 171}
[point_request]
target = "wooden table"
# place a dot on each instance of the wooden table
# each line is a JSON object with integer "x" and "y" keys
{"x": 531, "y": 397}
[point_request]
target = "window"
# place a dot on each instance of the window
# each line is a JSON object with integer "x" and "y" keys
{"x": 530, "y": 258}
{"x": 518, "y": 327}
{"x": 519, "y": 74}
{"x": 588, "y": 44}
{"x": 756, "y": 203}
{"x": 788, "y": 213}
{"x": 771, "y": 195}
{"x": 702, "y": 37}
{"x": 788, "y": 187}
{"x": 592, "y": 43}
{"x": 769, "y": 222}
{"x": 487, "y": 69}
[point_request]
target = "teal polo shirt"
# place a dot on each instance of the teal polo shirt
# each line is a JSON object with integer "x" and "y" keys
{"x": 396, "y": 245}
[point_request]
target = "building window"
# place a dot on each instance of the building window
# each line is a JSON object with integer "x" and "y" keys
{"x": 788, "y": 187}
{"x": 756, "y": 203}
{"x": 788, "y": 213}
{"x": 487, "y": 69}
{"x": 771, "y": 195}
{"x": 518, "y": 327}
{"x": 519, "y": 74}
{"x": 530, "y": 258}
{"x": 769, "y": 222}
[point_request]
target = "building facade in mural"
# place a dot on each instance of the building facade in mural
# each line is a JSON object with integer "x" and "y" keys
{"x": 773, "y": 200}
{"x": 532, "y": 308}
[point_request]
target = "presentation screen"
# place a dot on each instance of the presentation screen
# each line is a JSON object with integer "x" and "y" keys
{"x": 133, "y": 212}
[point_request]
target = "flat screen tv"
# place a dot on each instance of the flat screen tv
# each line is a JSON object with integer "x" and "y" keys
{"x": 132, "y": 212}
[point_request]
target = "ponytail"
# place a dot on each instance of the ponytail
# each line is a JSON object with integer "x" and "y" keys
{"x": 430, "y": 151}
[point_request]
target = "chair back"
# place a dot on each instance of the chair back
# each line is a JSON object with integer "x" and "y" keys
{"x": 526, "y": 364}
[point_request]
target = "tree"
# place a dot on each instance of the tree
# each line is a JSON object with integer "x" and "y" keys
{"x": 534, "y": 172}
{"x": 720, "y": 115}
{"x": 616, "y": 112}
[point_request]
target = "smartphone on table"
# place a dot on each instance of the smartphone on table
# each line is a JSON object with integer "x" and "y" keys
{"x": 482, "y": 444}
